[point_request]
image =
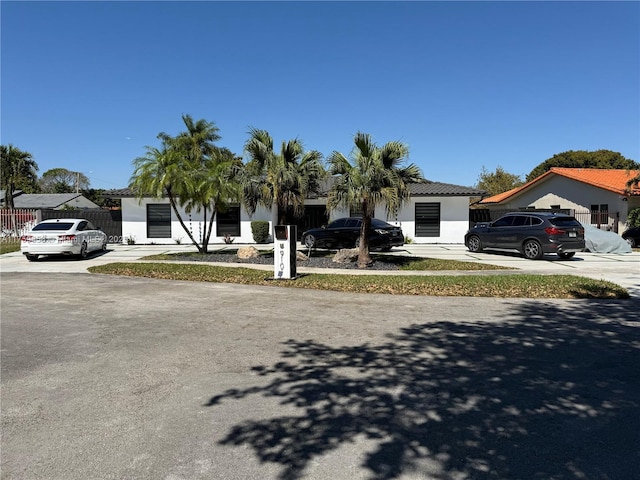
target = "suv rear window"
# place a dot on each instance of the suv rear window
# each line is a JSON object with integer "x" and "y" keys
{"x": 565, "y": 222}
{"x": 58, "y": 226}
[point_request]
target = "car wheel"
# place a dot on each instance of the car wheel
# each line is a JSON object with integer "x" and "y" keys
{"x": 104, "y": 246}
{"x": 309, "y": 241}
{"x": 474, "y": 244}
{"x": 566, "y": 254}
{"x": 32, "y": 258}
{"x": 83, "y": 250}
{"x": 532, "y": 250}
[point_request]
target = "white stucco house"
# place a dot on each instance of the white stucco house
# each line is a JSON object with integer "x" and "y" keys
{"x": 436, "y": 213}
{"x": 599, "y": 197}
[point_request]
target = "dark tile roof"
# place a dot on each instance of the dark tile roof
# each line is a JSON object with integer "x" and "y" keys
{"x": 426, "y": 188}
{"x": 429, "y": 188}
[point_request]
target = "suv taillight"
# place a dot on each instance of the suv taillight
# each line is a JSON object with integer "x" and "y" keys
{"x": 554, "y": 231}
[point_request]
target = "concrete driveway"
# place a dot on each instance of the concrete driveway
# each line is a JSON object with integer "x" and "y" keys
{"x": 109, "y": 377}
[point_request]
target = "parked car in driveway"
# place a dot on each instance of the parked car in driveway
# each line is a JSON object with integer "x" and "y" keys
{"x": 345, "y": 233}
{"x": 62, "y": 236}
{"x": 531, "y": 234}
{"x": 632, "y": 236}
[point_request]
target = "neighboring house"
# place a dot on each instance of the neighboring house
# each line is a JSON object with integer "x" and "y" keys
{"x": 436, "y": 213}
{"x": 598, "y": 197}
{"x": 55, "y": 201}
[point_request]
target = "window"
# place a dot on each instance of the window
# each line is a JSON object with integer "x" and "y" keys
{"x": 504, "y": 221}
{"x": 600, "y": 214}
{"x": 427, "y": 219}
{"x": 158, "y": 220}
{"x": 228, "y": 223}
{"x": 521, "y": 221}
{"x": 340, "y": 223}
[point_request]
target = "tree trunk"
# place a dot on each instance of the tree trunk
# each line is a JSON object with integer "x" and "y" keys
{"x": 209, "y": 230}
{"x": 364, "y": 258}
{"x": 172, "y": 201}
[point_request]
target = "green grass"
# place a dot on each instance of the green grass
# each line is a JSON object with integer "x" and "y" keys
{"x": 9, "y": 245}
{"x": 494, "y": 285}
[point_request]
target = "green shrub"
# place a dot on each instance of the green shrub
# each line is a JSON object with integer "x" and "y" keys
{"x": 260, "y": 231}
{"x": 633, "y": 218}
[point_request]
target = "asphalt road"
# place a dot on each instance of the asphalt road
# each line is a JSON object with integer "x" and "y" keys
{"x": 126, "y": 378}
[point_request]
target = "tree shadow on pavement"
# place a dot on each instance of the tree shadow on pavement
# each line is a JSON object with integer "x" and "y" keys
{"x": 548, "y": 391}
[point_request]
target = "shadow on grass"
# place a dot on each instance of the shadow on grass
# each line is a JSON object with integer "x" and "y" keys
{"x": 548, "y": 391}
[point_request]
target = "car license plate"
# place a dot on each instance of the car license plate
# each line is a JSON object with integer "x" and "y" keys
{"x": 573, "y": 234}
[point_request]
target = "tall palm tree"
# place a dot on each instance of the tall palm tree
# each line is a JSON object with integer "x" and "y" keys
{"x": 284, "y": 179}
{"x": 18, "y": 171}
{"x": 371, "y": 176}
{"x": 192, "y": 172}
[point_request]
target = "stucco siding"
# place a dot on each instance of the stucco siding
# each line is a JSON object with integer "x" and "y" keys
{"x": 454, "y": 221}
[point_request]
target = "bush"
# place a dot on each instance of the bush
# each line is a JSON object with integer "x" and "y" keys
{"x": 260, "y": 231}
{"x": 633, "y": 218}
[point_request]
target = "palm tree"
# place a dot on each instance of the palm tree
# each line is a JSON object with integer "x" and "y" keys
{"x": 372, "y": 176}
{"x": 192, "y": 172}
{"x": 19, "y": 171}
{"x": 284, "y": 179}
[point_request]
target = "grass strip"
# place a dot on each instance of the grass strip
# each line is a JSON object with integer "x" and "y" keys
{"x": 499, "y": 285}
{"x": 8, "y": 246}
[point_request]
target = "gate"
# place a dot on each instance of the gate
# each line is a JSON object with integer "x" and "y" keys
{"x": 110, "y": 221}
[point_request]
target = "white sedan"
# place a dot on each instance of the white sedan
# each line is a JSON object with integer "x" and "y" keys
{"x": 62, "y": 236}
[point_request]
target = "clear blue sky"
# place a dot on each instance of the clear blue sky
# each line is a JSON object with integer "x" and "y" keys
{"x": 86, "y": 85}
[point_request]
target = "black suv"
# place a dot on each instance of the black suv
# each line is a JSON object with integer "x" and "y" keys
{"x": 531, "y": 234}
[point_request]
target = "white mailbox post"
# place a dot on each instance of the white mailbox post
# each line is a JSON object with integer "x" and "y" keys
{"x": 284, "y": 252}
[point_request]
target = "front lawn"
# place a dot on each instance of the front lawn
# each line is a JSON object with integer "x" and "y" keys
{"x": 490, "y": 285}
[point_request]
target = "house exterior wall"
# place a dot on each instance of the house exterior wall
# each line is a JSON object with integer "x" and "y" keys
{"x": 78, "y": 202}
{"x": 569, "y": 194}
{"x": 134, "y": 224}
{"x": 454, "y": 221}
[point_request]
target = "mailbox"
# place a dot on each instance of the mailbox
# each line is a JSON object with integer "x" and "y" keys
{"x": 284, "y": 252}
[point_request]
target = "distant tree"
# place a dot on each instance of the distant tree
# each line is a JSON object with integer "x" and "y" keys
{"x": 584, "y": 159}
{"x": 191, "y": 171}
{"x": 61, "y": 180}
{"x": 371, "y": 176}
{"x": 634, "y": 182}
{"x": 283, "y": 179}
{"x": 497, "y": 182}
{"x": 18, "y": 171}
{"x": 97, "y": 196}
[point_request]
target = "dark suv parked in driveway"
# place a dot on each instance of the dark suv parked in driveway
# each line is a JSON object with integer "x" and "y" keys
{"x": 531, "y": 234}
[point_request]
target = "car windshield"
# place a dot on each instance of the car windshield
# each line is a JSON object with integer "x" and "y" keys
{"x": 58, "y": 226}
{"x": 565, "y": 222}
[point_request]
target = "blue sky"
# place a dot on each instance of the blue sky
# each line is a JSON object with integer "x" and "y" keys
{"x": 87, "y": 85}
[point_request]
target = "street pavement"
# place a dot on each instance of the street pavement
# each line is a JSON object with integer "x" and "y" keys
{"x": 107, "y": 377}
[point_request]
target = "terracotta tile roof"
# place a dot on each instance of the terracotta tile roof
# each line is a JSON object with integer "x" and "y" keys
{"x": 614, "y": 180}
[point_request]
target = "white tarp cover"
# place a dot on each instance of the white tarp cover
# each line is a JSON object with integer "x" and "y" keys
{"x": 601, "y": 241}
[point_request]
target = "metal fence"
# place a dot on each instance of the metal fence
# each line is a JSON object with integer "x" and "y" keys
{"x": 17, "y": 221}
{"x": 110, "y": 221}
